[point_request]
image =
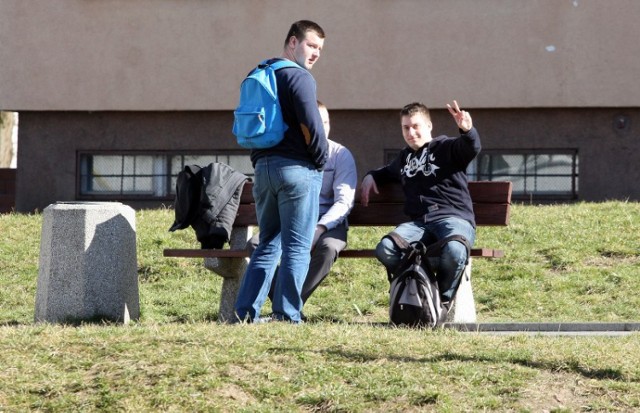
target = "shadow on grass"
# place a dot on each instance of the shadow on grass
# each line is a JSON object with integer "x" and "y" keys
{"x": 12, "y": 323}
{"x": 572, "y": 367}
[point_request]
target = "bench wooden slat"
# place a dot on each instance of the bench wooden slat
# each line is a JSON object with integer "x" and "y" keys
{"x": 205, "y": 253}
{"x": 491, "y": 203}
{"x": 475, "y": 252}
{"x": 383, "y": 214}
{"x": 348, "y": 253}
{"x": 492, "y": 214}
{"x": 246, "y": 216}
{"x": 481, "y": 192}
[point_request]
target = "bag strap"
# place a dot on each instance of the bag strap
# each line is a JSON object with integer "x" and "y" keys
{"x": 411, "y": 252}
{"x": 431, "y": 250}
{"x": 398, "y": 240}
{"x": 435, "y": 249}
{"x": 280, "y": 64}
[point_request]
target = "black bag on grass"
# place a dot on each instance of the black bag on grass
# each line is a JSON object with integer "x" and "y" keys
{"x": 414, "y": 296}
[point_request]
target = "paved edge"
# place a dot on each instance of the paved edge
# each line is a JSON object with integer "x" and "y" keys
{"x": 548, "y": 328}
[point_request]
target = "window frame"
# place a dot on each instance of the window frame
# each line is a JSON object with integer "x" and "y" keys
{"x": 168, "y": 176}
{"x": 472, "y": 171}
{"x": 570, "y": 195}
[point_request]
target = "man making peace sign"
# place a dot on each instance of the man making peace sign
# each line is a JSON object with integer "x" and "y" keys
{"x": 432, "y": 172}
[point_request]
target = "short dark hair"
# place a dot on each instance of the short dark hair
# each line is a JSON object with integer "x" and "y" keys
{"x": 300, "y": 28}
{"x": 415, "y": 108}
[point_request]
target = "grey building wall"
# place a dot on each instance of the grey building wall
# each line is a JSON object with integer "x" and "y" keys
{"x": 164, "y": 75}
{"x": 191, "y": 55}
{"x": 50, "y": 142}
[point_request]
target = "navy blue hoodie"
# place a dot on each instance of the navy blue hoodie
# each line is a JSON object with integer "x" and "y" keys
{"x": 297, "y": 94}
{"x": 434, "y": 177}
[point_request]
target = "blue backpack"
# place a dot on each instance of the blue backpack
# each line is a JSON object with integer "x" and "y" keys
{"x": 258, "y": 122}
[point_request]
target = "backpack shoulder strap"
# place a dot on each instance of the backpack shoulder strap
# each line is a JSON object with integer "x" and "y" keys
{"x": 409, "y": 253}
{"x": 281, "y": 64}
{"x": 398, "y": 240}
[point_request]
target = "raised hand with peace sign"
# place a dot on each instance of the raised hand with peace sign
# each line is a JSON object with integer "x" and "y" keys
{"x": 462, "y": 117}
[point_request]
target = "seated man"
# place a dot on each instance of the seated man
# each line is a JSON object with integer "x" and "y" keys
{"x": 336, "y": 200}
{"x": 432, "y": 172}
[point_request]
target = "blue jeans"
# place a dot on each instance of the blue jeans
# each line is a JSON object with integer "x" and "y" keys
{"x": 450, "y": 266}
{"x": 286, "y": 192}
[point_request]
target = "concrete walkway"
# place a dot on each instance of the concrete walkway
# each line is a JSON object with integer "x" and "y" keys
{"x": 569, "y": 329}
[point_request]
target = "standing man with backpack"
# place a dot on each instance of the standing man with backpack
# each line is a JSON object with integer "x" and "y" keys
{"x": 432, "y": 172}
{"x": 337, "y": 196}
{"x": 287, "y": 182}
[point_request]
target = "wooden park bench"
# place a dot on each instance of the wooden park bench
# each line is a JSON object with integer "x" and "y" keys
{"x": 491, "y": 203}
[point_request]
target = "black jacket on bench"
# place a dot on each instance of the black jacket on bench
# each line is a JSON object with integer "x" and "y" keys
{"x": 207, "y": 199}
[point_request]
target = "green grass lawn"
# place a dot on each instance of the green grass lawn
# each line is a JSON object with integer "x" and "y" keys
{"x": 564, "y": 263}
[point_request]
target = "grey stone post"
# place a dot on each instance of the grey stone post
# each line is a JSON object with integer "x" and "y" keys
{"x": 88, "y": 264}
{"x": 463, "y": 309}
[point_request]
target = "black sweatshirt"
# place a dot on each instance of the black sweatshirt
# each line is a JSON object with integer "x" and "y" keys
{"x": 434, "y": 178}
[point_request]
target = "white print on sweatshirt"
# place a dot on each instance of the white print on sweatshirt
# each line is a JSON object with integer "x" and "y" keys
{"x": 423, "y": 164}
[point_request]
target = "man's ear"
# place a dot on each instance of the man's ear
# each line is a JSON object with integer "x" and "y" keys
{"x": 293, "y": 42}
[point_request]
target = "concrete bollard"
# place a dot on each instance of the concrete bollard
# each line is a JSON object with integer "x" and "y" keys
{"x": 464, "y": 307}
{"x": 88, "y": 264}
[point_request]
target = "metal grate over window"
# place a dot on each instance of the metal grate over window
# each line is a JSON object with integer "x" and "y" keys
{"x": 543, "y": 175}
{"x": 144, "y": 175}
{"x": 536, "y": 174}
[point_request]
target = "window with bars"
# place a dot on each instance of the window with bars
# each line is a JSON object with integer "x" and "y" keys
{"x": 144, "y": 175}
{"x": 543, "y": 175}
{"x": 540, "y": 174}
